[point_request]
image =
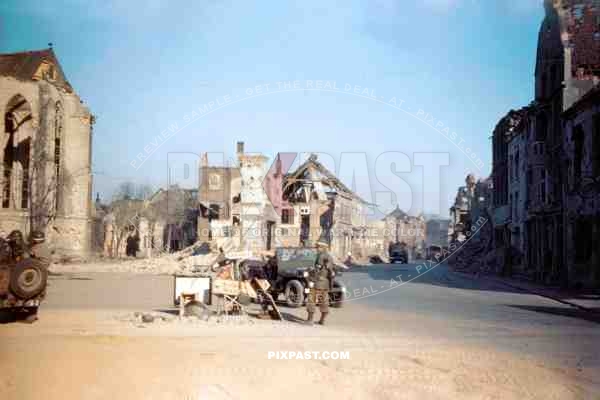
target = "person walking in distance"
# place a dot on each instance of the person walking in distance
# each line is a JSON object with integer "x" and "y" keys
{"x": 321, "y": 282}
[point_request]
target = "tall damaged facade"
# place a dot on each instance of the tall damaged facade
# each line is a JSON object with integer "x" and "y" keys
{"x": 45, "y": 153}
{"x": 319, "y": 207}
{"x": 235, "y": 209}
{"x": 511, "y": 194}
{"x": 581, "y": 196}
{"x": 255, "y": 208}
{"x": 545, "y": 195}
{"x": 471, "y": 230}
{"x": 567, "y": 67}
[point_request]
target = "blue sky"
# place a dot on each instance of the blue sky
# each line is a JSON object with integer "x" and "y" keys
{"x": 141, "y": 65}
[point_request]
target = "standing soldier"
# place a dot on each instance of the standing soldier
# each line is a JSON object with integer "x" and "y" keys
{"x": 321, "y": 282}
{"x": 17, "y": 246}
{"x": 38, "y": 248}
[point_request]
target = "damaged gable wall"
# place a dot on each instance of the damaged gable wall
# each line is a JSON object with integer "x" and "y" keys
{"x": 58, "y": 163}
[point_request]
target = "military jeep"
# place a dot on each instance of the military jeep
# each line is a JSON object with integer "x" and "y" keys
{"x": 22, "y": 282}
{"x": 293, "y": 264}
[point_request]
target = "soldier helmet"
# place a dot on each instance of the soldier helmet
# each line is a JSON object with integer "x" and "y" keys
{"x": 38, "y": 237}
{"x": 17, "y": 245}
{"x": 322, "y": 243}
{"x": 15, "y": 236}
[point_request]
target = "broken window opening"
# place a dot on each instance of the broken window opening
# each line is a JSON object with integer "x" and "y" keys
{"x": 23, "y": 157}
{"x": 287, "y": 216}
{"x": 16, "y": 154}
{"x": 58, "y": 127}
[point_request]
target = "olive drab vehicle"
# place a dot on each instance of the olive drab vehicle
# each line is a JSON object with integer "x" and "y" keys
{"x": 292, "y": 281}
{"x": 23, "y": 276}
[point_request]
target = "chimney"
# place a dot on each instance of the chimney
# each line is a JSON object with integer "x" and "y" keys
{"x": 240, "y": 147}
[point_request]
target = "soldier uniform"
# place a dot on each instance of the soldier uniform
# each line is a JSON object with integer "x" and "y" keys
{"x": 321, "y": 275}
{"x": 38, "y": 249}
{"x": 17, "y": 246}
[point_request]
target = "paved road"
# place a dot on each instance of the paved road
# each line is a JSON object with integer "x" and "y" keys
{"x": 477, "y": 310}
{"x": 394, "y": 298}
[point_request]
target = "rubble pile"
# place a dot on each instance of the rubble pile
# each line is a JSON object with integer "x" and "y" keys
{"x": 206, "y": 318}
{"x": 198, "y": 257}
{"x": 475, "y": 255}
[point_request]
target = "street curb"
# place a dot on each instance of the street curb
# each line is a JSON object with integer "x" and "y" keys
{"x": 537, "y": 293}
{"x": 548, "y": 296}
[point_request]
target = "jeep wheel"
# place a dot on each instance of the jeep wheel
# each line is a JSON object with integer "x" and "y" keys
{"x": 28, "y": 279}
{"x": 294, "y": 294}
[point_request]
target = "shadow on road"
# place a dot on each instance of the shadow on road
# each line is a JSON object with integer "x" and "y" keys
{"x": 429, "y": 274}
{"x": 9, "y": 317}
{"x": 292, "y": 318}
{"x": 564, "y": 312}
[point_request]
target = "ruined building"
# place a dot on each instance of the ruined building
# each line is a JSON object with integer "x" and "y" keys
{"x": 460, "y": 212}
{"x": 567, "y": 67}
{"x": 251, "y": 207}
{"x": 45, "y": 152}
{"x": 318, "y": 206}
{"x": 540, "y": 211}
{"x": 582, "y": 190}
{"x": 506, "y": 197}
{"x": 235, "y": 210}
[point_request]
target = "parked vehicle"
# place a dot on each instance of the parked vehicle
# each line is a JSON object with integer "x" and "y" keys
{"x": 22, "y": 280}
{"x": 293, "y": 264}
{"x": 434, "y": 253}
{"x": 398, "y": 253}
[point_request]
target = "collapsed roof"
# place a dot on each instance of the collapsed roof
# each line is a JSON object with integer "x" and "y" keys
{"x": 322, "y": 181}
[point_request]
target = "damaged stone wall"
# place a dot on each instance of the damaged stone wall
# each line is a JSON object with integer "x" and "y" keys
{"x": 58, "y": 196}
{"x": 582, "y": 194}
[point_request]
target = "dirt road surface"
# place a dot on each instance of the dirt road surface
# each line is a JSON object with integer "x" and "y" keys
{"x": 89, "y": 344}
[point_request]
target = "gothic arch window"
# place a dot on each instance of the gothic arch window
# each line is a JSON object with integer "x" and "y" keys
{"x": 58, "y": 134}
{"x": 16, "y": 148}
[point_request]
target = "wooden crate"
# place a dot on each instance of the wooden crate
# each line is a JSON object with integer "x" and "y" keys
{"x": 247, "y": 289}
{"x": 261, "y": 284}
{"x": 226, "y": 286}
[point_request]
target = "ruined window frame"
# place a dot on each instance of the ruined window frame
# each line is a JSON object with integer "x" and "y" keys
{"x": 57, "y": 154}
{"x": 287, "y": 216}
{"x": 16, "y": 186}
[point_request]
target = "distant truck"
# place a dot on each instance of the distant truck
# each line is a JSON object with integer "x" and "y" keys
{"x": 397, "y": 253}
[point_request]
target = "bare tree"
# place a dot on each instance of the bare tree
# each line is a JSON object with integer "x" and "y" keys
{"x": 126, "y": 214}
{"x": 133, "y": 191}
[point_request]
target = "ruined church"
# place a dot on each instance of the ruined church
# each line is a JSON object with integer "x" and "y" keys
{"x": 45, "y": 153}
